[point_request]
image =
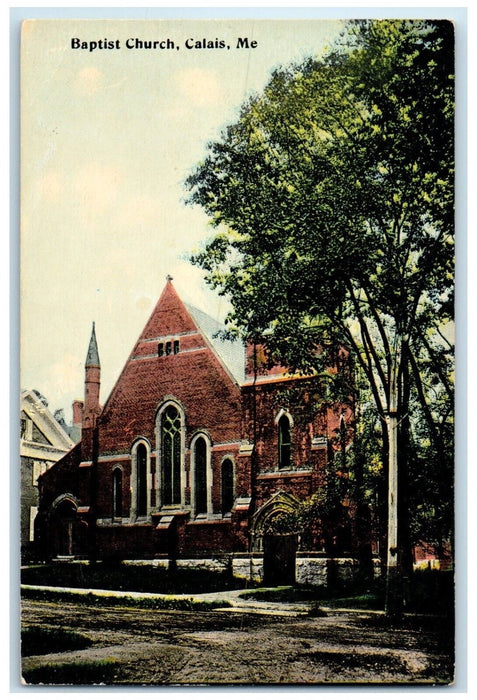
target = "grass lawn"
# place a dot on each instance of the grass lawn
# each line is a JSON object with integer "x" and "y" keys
{"x": 297, "y": 594}
{"x": 74, "y": 673}
{"x": 427, "y": 592}
{"x": 128, "y": 577}
{"x": 161, "y": 602}
{"x": 44, "y": 640}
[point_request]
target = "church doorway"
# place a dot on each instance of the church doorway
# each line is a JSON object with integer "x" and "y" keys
{"x": 275, "y": 535}
{"x": 279, "y": 559}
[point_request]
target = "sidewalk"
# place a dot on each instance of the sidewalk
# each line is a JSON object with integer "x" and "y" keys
{"x": 257, "y": 606}
{"x": 231, "y": 597}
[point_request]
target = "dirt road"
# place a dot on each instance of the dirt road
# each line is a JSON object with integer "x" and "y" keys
{"x": 169, "y": 648}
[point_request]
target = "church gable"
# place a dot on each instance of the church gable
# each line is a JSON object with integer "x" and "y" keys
{"x": 171, "y": 358}
{"x": 169, "y": 316}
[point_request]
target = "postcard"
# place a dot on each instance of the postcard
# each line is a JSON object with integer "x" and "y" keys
{"x": 237, "y": 352}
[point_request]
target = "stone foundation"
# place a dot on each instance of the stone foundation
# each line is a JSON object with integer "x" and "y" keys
{"x": 323, "y": 571}
{"x": 250, "y": 568}
{"x": 311, "y": 570}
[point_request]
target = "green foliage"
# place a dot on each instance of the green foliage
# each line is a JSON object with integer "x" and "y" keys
{"x": 284, "y": 522}
{"x": 333, "y": 200}
{"x": 432, "y": 592}
{"x": 150, "y": 603}
{"x": 318, "y": 519}
{"x": 319, "y": 595}
{"x": 40, "y": 640}
{"x": 313, "y": 396}
{"x": 74, "y": 673}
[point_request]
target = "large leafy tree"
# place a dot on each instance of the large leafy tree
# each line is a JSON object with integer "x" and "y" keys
{"x": 333, "y": 200}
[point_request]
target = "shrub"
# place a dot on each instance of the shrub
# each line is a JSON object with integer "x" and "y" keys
{"x": 39, "y": 640}
{"x": 74, "y": 673}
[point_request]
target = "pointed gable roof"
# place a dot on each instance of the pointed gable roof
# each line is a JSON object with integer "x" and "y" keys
{"x": 169, "y": 316}
{"x": 47, "y": 439}
{"x": 173, "y": 357}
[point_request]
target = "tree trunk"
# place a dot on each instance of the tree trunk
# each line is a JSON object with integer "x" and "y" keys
{"x": 405, "y": 452}
{"x": 393, "y": 587}
{"x": 393, "y": 597}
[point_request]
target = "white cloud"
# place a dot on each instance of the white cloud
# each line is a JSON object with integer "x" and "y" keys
{"x": 200, "y": 87}
{"x": 50, "y": 187}
{"x": 140, "y": 211}
{"x": 96, "y": 187}
{"x": 89, "y": 81}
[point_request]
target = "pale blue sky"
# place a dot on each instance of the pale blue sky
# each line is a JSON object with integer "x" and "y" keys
{"x": 108, "y": 137}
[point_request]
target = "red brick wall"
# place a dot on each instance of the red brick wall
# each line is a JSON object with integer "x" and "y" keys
{"x": 195, "y": 377}
{"x": 213, "y": 402}
{"x": 298, "y": 485}
{"x": 209, "y": 538}
{"x": 197, "y": 381}
{"x": 126, "y": 542}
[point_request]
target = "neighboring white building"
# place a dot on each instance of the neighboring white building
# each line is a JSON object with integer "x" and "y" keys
{"x": 42, "y": 442}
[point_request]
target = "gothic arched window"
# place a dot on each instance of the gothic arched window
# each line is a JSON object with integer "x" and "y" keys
{"x": 284, "y": 442}
{"x": 171, "y": 456}
{"x": 228, "y": 496}
{"x": 117, "y": 493}
{"x": 200, "y": 476}
{"x": 141, "y": 480}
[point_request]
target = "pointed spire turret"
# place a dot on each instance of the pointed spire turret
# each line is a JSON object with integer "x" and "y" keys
{"x": 91, "y": 407}
{"x": 92, "y": 358}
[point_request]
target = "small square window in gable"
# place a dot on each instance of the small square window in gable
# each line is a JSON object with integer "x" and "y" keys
{"x": 168, "y": 348}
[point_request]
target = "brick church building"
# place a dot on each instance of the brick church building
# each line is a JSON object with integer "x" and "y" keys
{"x": 199, "y": 449}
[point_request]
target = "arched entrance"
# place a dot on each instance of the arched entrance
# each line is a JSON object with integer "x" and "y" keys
{"x": 274, "y": 533}
{"x": 67, "y": 531}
